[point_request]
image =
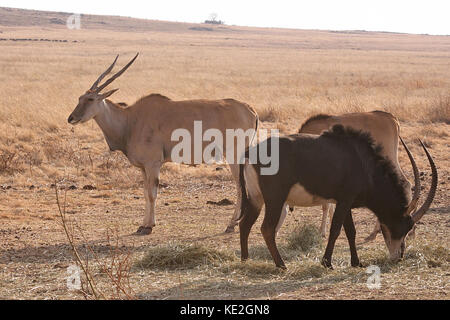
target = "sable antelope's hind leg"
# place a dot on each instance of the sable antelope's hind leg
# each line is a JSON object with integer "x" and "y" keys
{"x": 268, "y": 230}
{"x": 250, "y": 214}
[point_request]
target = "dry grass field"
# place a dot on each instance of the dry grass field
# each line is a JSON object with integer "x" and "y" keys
{"x": 286, "y": 75}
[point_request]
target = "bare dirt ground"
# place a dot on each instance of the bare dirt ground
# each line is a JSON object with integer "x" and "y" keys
{"x": 287, "y": 75}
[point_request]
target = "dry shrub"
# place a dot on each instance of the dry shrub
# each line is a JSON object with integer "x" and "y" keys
{"x": 270, "y": 114}
{"x": 117, "y": 267}
{"x": 9, "y": 162}
{"x": 304, "y": 237}
{"x": 182, "y": 256}
{"x": 440, "y": 110}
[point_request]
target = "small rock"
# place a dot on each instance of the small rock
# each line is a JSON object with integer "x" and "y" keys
{"x": 163, "y": 185}
{"x": 72, "y": 187}
{"x": 223, "y": 202}
{"x": 60, "y": 265}
{"x": 89, "y": 187}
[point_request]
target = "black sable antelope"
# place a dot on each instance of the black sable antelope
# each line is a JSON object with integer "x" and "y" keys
{"x": 343, "y": 166}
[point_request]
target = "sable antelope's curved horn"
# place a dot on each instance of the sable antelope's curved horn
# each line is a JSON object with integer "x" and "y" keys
{"x": 107, "y": 82}
{"x": 94, "y": 86}
{"x": 416, "y": 216}
{"x": 415, "y": 198}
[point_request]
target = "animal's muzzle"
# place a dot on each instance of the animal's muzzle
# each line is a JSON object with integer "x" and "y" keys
{"x": 72, "y": 120}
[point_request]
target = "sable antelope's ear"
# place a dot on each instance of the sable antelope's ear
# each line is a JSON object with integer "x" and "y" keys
{"x": 107, "y": 94}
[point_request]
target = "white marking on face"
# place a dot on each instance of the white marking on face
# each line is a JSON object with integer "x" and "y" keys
{"x": 394, "y": 245}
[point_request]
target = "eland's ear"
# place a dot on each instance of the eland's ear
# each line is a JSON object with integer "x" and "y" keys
{"x": 107, "y": 94}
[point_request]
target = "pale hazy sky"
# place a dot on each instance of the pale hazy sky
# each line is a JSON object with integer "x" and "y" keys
{"x": 427, "y": 16}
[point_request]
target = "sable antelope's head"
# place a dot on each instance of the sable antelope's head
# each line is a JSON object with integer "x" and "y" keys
{"x": 90, "y": 103}
{"x": 395, "y": 233}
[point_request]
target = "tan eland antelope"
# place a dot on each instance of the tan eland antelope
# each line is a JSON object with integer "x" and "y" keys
{"x": 384, "y": 129}
{"x": 143, "y": 130}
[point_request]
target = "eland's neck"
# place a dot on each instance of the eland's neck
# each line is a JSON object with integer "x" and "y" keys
{"x": 113, "y": 122}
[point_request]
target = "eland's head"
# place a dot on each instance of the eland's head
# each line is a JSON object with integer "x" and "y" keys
{"x": 92, "y": 102}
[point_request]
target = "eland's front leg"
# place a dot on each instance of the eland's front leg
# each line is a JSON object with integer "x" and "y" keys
{"x": 326, "y": 211}
{"x": 151, "y": 183}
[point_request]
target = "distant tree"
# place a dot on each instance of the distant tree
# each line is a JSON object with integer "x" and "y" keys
{"x": 213, "y": 16}
{"x": 213, "y": 19}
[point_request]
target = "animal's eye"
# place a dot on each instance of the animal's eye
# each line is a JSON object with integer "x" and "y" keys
{"x": 90, "y": 99}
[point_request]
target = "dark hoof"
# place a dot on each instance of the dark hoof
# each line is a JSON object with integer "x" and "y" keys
{"x": 143, "y": 231}
{"x": 327, "y": 263}
{"x": 229, "y": 229}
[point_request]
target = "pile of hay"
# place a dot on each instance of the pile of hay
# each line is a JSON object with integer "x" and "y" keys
{"x": 182, "y": 256}
{"x": 304, "y": 238}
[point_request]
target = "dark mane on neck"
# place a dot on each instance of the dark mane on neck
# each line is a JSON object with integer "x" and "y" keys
{"x": 319, "y": 116}
{"x": 365, "y": 140}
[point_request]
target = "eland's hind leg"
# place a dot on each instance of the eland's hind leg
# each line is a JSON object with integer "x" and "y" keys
{"x": 151, "y": 182}
{"x": 237, "y": 209}
{"x": 326, "y": 211}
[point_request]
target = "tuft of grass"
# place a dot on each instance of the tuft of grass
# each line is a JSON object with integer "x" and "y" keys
{"x": 306, "y": 270}
{"x": 182, "y": 256}
{"x": 304, "y": 238}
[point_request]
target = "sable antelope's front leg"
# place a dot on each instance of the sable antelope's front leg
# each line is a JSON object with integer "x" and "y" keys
{"x": 340, "y": 214}
{"x": 151, "y": 183}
